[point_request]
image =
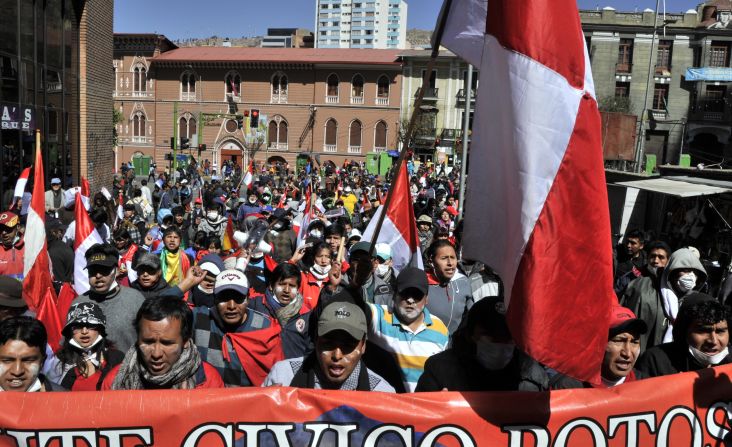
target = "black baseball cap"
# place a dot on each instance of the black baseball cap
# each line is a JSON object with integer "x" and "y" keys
{"x": 412, "y": 278}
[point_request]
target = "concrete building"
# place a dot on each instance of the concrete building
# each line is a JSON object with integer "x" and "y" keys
{"x": 54, "y": 76}
{"x": 338, "y": 104}
{"x": 287, "y": 38}
{"x": 361, "y": 24}
{"x": 439, "y": 127}
{"x": 688, "y": 99}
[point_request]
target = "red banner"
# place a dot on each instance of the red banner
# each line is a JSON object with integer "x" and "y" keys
{"x": 692, "y": 409}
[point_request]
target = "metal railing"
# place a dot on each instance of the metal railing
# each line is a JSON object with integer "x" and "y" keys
{"x": 710, "y": 110}
{"x": 462, "y": 92}
{"x": 429, "y": 93}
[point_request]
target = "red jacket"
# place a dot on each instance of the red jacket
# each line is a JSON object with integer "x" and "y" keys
{"x": 11, "y": 260}
{"x": 206, "y": 377}
{"x": 310, "y": 290}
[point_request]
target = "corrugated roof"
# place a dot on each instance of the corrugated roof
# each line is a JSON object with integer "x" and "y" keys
{"x": 280, "y": 55}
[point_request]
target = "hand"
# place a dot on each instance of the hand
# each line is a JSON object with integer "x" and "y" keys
{"x": 194, "y": 276}
{"x": 148, "y": 239}
{"x": 335, "y": 275}
{"x": 298, "y": 255}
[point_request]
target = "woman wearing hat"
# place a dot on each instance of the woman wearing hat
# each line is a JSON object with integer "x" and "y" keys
{"x": 86, "y": 355}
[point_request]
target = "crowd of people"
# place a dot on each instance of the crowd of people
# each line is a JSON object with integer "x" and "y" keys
{"x": 207, "y": 282}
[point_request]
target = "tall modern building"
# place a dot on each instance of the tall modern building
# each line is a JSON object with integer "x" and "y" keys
{"x": 361, "y": 24}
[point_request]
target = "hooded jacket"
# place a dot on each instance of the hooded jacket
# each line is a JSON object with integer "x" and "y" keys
{"x": 450, "y": 301}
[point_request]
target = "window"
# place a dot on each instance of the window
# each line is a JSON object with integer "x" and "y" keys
{"x": 139, "y": 128}
{"x": 279, "y": 88}
{"x": 382, "y": 91}
{"x": 380, "y": 136}
{"x": 354, "y": 137}
{"x": 357, "y": 89}
{"x": 139, "y": 80}
{"x": 186, "y": 127}
{"x": 625, "y": 56}
{"x": 660, "y": 96}
{"x": 331, "y": 136}
{"x": 622, "y": 89}
{"x": 233, "y": 85}
{"x": 433, "y": 78}
{"x": 277, "y": 134}
{"x": 718, "y": 55}
{"x": 714, "y": 98}
{"x": 663, "y": 57}
{"x": 332, "y": 92}
{"x": 188, "y": 87}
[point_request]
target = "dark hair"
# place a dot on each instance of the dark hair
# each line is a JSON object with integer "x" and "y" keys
{"x": 213, "y": 240}
{"x": 105, "y": 249}
{"x": 121, "y": 233}
{"x": 334, "y": 230}
{"x": 438, "y": 244}
{"x": 26, "y": 329}
{"x": 178, "y": 211}
{"x": 69, "y": 355}
{"x": 698, "y": 307}
{"x": 99, "y": 216}
{"x": 161, "y": 307}
{"x": 284, "y": 270}
{"x": 635, "y": 234}
{"x": 317, "y": 225}
{"x": 173, "y": 229}
{"x": 200, "y": 238}
{"x": 312, "y": 252}
{"x": 656, "y": 245}
{"x": 143, "y": 183}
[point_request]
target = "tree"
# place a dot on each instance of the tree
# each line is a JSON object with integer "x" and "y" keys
{"x": 117, "y": 118}
{"x": 615, "y": 104}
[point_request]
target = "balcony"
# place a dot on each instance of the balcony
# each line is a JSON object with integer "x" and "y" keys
{"x": 144, "y": 141}
{"x": 356, "y": 99}
{"x": 461, "y": 95}
{"x": 185, "y": 96}
{"x": 54, "y": 87}
{"x": 277, "y": 146}
{"x": 379, "y": 150}
{"x": 430, "y": 94}
{"x": 451, "y": 134}
{"x": 663, "y": 70}
{"x": 429, "y": 134}
{"x": 279, "y": 98}
{"x": 330, "y": 148}
{"x": 331, "y": 99}
{"x": 715, "y": 110}
{"x": 382, "y": 100}
{"x": 624, "y": 68}
{"x": 232, "y": 97}
{"x": 354, "y": 149}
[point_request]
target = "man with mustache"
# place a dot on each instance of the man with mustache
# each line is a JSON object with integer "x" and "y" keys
{"x": 406, "y": 329}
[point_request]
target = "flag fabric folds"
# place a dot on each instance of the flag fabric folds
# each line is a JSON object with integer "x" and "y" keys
{"x": 249, "y": 176}
{"x": 536, "y": 206}
{"x": 48, "y": 314}
{"x": 399, "y": 229}
{"x": 86, "y": 236}
{"x": 229, "y": 243}
{"x": 20, "y": 184}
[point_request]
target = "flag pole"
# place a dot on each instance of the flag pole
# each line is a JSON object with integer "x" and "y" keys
{"x": 436, "y": 39}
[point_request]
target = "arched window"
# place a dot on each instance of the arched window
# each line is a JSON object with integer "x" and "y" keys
{"x": 331, "y": 95}
{"x": 279, "y": 88}
{"x": 139, "y": 128}
{"x": 357, "y": 89}
{"x": 380, "y": 133}
{"x": 187, "y": 127}
{"x": 139, "y": 79}
{"x": 188, "y": 86}
{"x": 331, "y": 136}
{"x": 382, "y": 91}
{"x": 232, "y": 84}
{"x": 277, "y": 134}
{"x": 354, "y": 137}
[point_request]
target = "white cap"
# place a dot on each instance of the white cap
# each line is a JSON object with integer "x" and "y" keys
{"x": 183, "y": 182}
{"x": 210, "y": 267}
{"x": 383, "y": 251}
{"x": 231, "y": 280}
{"x": 355, "y": 233}
{"x": 347, "y": 189}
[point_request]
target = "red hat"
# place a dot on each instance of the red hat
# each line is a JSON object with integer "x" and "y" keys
{"x": 9, "y": 219}
{"x": 623, "y": 319}
{"x": 198, "y": 200}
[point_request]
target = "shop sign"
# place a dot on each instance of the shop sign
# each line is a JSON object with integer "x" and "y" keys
{"x": 13, "y": 117}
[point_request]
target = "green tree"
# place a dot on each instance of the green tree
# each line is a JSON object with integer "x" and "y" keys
{"x": 616, "y": 104}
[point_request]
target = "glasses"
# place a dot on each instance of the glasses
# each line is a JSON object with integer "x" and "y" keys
{"x": 6, "y": 229}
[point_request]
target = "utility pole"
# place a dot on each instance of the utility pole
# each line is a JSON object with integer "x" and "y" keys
{"x": 640, "y": 144}
{"x": 174, "y": 162}
{"x": 466, "y": 130}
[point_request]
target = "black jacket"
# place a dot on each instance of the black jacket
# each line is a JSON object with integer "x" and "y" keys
{"x": 670, "y": 358}
{"x": 295, "y": 334}
{"x": 62, "y": 260}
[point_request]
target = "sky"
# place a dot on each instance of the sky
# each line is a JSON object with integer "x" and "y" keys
{"x": 179, "y": 19}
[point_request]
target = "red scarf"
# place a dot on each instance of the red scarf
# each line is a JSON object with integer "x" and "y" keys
{"x": 258, "y": 351}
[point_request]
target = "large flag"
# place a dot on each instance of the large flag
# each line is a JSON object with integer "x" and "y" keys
{"x": 86, "y": 236}
{"x": 399, "y": 229}
{"x": 36, "y": 264}
{"x": 537, "y": 208}
{"x": 48, "y": 315}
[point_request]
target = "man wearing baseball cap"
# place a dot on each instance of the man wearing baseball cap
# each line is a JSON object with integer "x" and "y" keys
{"x": 336, "y": 363}
{"x": 12, "y": 246}
{"x": 54, "y": 197}
{"x": 623, "y": 347}
{"x": 241, "y": 343}
{"x": 406, "y": 329}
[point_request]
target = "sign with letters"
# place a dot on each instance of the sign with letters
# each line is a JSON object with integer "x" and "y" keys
{"x": 13, "y": 117}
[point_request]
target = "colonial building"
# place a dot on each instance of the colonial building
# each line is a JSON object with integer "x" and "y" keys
{"x": 336, "y": 104}
{"x": 54, "y": 76}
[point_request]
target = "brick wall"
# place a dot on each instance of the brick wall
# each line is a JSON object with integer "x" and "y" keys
{"x": 96, "y": 158}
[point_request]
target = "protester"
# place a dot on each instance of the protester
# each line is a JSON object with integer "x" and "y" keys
{"x": 12, "y": 246}
{"x": 174, "y": 261}
{"x": 164, "y": 356}
{"x": 700, "y": 339}
{"x": 203, "y": 294}
{"x": 336, "y": 361}
{"x": 60, "y": 254}
{"x": 316, "y": 263}
{"x": 23, "y": 342}
{"x": 86, "y": 355}
{"x": 151, "y": 283}
{"x": 54, "y": 198}
{"x": 450, "y": 294}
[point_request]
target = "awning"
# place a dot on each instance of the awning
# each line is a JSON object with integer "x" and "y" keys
{"x": 676, "y": 188}
{"x": 709, "y": 74}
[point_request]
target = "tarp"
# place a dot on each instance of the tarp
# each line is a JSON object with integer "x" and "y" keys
{"x": 691, "y": 409}
{"x": 675, "y": 187}
{"x": 709, "y": 74}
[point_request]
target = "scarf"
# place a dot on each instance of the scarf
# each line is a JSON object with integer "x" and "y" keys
{"x": 320, "y": 273}
{"x": 133, "y": 375}
{"x": 284, "y": 312}
{"x": 670, "y": 307}
{"x": 174, "y": 266}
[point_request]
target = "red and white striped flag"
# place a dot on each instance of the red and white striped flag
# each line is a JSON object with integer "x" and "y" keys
{"x": 399, "y": 229}
{"x": 86, "y": 236}
{"x": 537, "y": 208}
{"x": 36, "y": 264}
{"x": 249, "y": 176}
{"x": 20, "y": 185}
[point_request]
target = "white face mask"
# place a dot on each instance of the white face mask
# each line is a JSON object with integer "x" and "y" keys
{"x": 494, "y": 356}
{"x": 706, "y": 359}
{"x": 322, "y": 271}
{"x": 686, "y": 282}
{"x": 212, "y": 215}
{"x": 316, "y": 233}
{"x": 382, "y": 270}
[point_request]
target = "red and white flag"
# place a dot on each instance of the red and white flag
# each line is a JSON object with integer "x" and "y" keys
{"x": 537, "y": 208}
{"x": 20, "y": 184}
{"x": 249, "y": 176}
{"x": 399, "y": 229}
{"x": 36, "y": 264}
{"x": 86, "y": 236}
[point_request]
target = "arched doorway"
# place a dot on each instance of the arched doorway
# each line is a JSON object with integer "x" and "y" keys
{"x": 230, "y": 151}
